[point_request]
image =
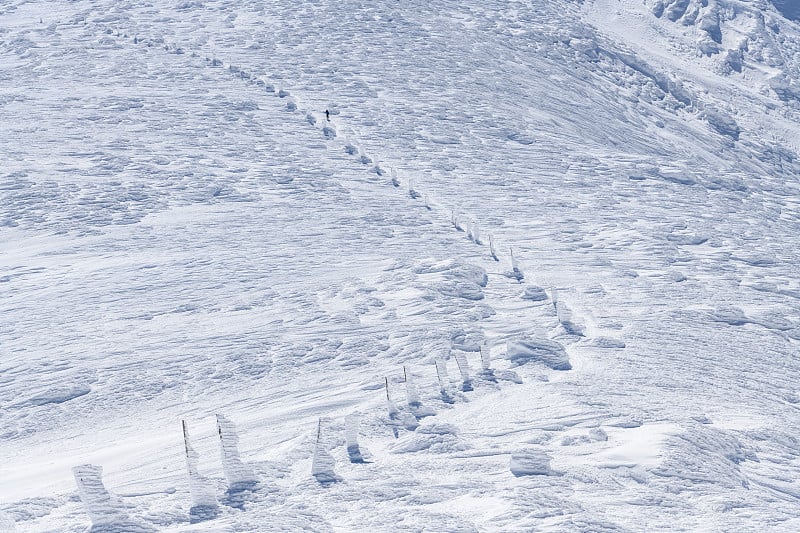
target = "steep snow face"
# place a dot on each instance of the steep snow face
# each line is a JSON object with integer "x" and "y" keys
{"x": 739, "y": 60}
{"x": 788, "y": 8}
{"x": 185, "y": 230}
{"x": 746, "y": 34}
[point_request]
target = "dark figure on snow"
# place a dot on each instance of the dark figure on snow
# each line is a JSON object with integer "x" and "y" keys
{"x": 328, "y": 115}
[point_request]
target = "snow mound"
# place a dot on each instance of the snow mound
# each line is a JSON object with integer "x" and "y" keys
{"x": 530, "y": 463}
{"x": 455, "y": 269}
{"x": 545, "y": 351}
{"x": 503, "y": 375}
{"x": 59, "y": 395}
{"x": 535, "y": 294}
{"x": 435, "y": 437}
{"x": 722, "y": 122}
{"x": 607, "y": 343}
{"x": 457, "y": 278}
{"x": 703, "y": 454}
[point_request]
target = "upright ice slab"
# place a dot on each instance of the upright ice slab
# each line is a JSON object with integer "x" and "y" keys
{"x": 323, "y": 463}
{"x": 238, "y": 474}
{"x": 412, "y": 395}
{"x": 204, "y": 500}
{"x": 351, "y": 425}
{"x": 107, "y": 512}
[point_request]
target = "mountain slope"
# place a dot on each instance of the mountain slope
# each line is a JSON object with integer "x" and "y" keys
{"x": 184, "y": 234}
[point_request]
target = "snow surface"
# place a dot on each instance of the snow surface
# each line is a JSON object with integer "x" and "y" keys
{"x": 183, "y": 234}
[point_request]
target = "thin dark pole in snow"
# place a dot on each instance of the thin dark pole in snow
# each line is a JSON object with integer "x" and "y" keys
{"x": 386, "y": 381}
{"x": 185, "y": 438}
{"x": 319, "y": 428}
{"x": 219, "y": 429}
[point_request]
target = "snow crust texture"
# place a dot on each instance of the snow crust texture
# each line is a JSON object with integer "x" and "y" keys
{"x": 321, "y": 218}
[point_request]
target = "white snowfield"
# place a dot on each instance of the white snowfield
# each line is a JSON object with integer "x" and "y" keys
{"x": 185, "y": 237}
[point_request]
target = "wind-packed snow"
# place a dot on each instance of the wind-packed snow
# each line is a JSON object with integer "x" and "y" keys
{"x": 594, "y": 203}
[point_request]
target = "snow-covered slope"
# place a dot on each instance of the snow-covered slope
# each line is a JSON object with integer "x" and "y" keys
{"x": 789, "y": 9}
{"x": 184, "y": 234}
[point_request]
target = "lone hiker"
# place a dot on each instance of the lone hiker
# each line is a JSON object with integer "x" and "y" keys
{"x": 328, "y": 115}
